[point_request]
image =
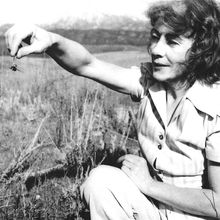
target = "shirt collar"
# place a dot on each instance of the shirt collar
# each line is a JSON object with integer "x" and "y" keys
{"x": 205, "y": 98}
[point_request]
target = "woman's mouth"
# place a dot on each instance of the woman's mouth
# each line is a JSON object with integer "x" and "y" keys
{"x": 160, "y": 65}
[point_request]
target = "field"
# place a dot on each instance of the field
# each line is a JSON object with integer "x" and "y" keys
{"x": 56, "y": 127}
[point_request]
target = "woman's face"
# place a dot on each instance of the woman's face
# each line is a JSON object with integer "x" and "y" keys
{"x": 169, "y": 53}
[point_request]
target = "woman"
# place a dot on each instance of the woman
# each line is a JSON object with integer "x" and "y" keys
{"x": 178, "y": 119}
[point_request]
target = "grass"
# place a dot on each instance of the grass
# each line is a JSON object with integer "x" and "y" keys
{"x": 55, "y": 128}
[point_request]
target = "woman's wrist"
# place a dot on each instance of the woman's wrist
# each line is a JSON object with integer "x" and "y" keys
{"x": 54, "y": 41}
{"x": 150, "y": 187}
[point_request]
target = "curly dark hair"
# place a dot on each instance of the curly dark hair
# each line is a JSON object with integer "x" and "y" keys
{"x": 199, "y": 20}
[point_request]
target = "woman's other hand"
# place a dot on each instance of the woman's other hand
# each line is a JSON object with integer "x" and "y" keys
{"x": 136, "y": 168}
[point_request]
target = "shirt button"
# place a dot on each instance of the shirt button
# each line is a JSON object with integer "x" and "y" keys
{"x": 161, "y": 137}
{"x": 159, "y": 146}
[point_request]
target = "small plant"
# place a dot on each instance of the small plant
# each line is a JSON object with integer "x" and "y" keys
{"x": 52, "y": 136}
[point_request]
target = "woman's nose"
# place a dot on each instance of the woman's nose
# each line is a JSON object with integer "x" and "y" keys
{"x": 158, "y": 48}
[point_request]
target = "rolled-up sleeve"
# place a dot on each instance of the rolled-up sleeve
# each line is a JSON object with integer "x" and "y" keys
{"x": 213, "y": 142}
{"x": 138, "y": 93}
{"x": 144, "y": 81}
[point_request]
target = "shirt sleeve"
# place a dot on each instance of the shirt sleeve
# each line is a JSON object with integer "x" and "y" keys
{"x": 213, "y": 142}
{"x": 144, "y": 80}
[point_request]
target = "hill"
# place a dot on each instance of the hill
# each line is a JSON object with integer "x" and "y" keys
{"x": 105, "y": 36}
{"x": 105, "y": 30}
{"x": 106, "y": 39}
{"x": 109, "y": 22}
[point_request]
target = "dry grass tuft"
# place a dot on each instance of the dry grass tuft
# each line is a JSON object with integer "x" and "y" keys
{"x": 54, "y": 129}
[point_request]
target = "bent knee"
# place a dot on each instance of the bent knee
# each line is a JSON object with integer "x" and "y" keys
{"x": 99, "y": 178}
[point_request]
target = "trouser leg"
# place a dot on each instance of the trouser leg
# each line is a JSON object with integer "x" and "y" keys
{"x": 111, "y": 195}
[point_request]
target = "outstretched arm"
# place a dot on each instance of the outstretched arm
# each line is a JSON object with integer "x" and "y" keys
{"x": 72, "y": 56}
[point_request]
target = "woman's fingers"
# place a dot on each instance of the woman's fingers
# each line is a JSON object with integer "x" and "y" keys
{"x": 15, "y": 45}
{"x": 15, "y": 36}
{"x": 125, "y": 169}
{"x": 121, "y": 159}
{"x": 26, "y": 50}
{"x": 22, "y": 40}
{"x": 129, "y": 157}
{"x": 127, "y": 164}
{"x": 129, "y": 161}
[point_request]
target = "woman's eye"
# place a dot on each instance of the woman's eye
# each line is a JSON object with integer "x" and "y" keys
{"x": 154, "y": 37}
{"x": 172, "y": 42}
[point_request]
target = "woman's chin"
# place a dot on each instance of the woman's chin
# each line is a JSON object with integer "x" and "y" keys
{"x": 160, "y": 77}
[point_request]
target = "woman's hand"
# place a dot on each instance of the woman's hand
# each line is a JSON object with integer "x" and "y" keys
{"x": 37, "y": 40}
{"x": 136, "y": 168}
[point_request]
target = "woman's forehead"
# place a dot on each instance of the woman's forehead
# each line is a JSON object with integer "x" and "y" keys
{"x": 163, "y": 29}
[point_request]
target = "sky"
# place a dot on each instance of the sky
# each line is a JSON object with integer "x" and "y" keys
{"x": 50, "y": 11}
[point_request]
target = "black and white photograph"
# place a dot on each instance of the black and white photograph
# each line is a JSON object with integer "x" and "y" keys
{"x": 110, "y": 110}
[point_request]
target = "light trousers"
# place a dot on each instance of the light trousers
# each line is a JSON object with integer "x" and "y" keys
{"x": 111, "y": 194}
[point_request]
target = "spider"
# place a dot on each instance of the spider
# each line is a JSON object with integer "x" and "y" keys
{"x": 14, "y": 67}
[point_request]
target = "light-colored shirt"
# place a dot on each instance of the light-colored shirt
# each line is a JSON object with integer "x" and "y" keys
{"x": 178, "y": 149}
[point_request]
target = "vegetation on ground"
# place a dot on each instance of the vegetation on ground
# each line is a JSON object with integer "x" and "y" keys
{"x": 54, "y": 129}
